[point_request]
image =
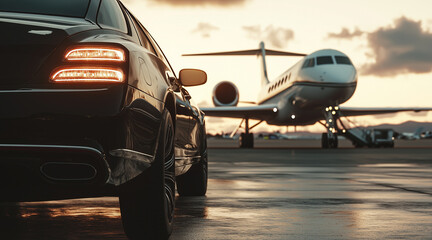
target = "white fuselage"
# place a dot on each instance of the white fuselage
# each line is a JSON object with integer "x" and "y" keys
{"x": 321, "y": 79}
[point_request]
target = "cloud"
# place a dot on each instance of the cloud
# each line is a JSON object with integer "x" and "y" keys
{"x": 215, "y": 120}
{"x": 205, "y": 29}
{"x": 383, "y": 116}
{"x": 204, "y": 103}
{"x": 198, "y": 3}
{"x": 346, "y": 34}
{"x": 402, "y": 48}
{"x": 418, "y": 114}
{"x": 274, "y": 36}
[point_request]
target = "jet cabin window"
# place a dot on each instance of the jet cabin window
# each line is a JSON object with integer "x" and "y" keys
{"x": 343, "y": 60}
{"x": 309, "y": 63}
{"x": 324, "y": 60}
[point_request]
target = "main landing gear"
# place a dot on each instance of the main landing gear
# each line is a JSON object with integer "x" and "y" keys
{"x": 246, "y": 138}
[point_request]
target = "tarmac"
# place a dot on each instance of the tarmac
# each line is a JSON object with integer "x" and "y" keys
{"x": 268, "y": 193}
{"x": 308, "y": 143}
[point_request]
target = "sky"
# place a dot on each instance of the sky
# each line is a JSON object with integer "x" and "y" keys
{"x": 389, "y": 42}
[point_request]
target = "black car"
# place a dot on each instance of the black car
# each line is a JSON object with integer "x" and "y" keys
{"x": 90, "y": 106}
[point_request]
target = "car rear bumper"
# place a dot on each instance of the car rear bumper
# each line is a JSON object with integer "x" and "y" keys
{"x": 40, "y": 172}
{"x": 67, "y": 143}
{"x": 32, "y": 172}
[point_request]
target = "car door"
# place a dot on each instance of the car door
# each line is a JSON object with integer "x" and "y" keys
{"x": 186, "y": 147}
{"x": 195, "y": 125}
{"x": 183, "y": 127}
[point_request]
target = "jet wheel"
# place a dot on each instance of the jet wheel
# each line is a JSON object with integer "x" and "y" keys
{"x": 246, "y": 140}
{"x": 327, "y": 142}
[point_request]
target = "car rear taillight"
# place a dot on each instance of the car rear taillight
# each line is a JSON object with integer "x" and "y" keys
{"x": 89, "y": 74}
{"x": 91, "y": 64}
{"x": 95, "y": 54}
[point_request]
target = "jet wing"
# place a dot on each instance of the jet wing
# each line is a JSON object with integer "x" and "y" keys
{"x": 259, "y": 112}
{"x": 356, "y": 111}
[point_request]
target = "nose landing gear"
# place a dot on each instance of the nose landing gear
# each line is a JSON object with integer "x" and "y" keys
{"x": 330, "y": 138}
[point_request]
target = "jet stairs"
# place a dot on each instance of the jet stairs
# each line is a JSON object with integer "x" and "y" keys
{"x": 361, "y": 137}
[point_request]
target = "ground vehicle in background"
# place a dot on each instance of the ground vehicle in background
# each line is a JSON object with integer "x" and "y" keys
{"x": 91, "y": 107}
{"x": 426, "y": 134}
{"x": 381, "y": 137}
{"x": 373, "y": 138}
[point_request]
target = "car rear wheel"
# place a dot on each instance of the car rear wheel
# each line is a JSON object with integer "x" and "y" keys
{"x": 147, "y": 202}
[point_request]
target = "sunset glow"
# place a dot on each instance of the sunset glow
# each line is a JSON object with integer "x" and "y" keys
{"x": 389, "y": 43}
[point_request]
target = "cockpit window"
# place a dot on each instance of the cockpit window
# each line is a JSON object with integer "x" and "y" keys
{"x": 309, "y": 63}
{"x": 324, "y": 60}
{"x": 343, "y": 60}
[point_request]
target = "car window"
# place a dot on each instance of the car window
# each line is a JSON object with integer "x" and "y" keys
{"x": 111, "y": 16}
{"x": 68, "y": 8}
{"x": 145, "y": 42}
{"x": 158, "y": 50}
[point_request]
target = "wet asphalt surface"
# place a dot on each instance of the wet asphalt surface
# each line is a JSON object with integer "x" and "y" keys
{"x": 267, "y": 194}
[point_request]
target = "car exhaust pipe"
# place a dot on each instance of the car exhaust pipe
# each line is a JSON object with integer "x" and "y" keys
{"x": 62, "y": 163}
{"x": 68, "y": 171}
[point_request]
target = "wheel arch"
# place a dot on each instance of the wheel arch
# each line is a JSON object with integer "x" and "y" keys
{"x": 170, "y": 105}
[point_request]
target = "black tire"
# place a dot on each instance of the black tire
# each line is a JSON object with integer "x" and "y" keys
{"x": 194, "y": 181}
{"x": 333, "y": 142}
{"x": 147, "y": 202}
{"x": 246, "y": 140}
{"x": 324, "y": 140}
{"x": 357, "y": 145}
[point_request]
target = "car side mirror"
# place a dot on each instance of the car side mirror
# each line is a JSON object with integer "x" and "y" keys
{"x": 192, "y": 77}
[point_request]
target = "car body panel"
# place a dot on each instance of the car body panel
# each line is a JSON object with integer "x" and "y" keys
{"x": 110, "y": 117}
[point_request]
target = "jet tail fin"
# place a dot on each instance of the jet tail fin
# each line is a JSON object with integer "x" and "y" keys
{"x": 261, "y": 56}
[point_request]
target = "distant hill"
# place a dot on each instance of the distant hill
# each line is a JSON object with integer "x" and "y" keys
{"x": 409, "y": 126}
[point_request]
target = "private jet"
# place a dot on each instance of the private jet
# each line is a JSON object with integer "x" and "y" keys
{"x": 310, "y": 91}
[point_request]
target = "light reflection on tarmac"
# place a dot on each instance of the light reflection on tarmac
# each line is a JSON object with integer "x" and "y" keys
{"x": 267, "y": 194}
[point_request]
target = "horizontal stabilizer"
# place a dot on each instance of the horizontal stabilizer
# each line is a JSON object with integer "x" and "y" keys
{"x": 268, "y": 52}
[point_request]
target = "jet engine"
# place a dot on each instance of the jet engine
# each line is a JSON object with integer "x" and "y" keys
{"x": 225, "y": 94}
